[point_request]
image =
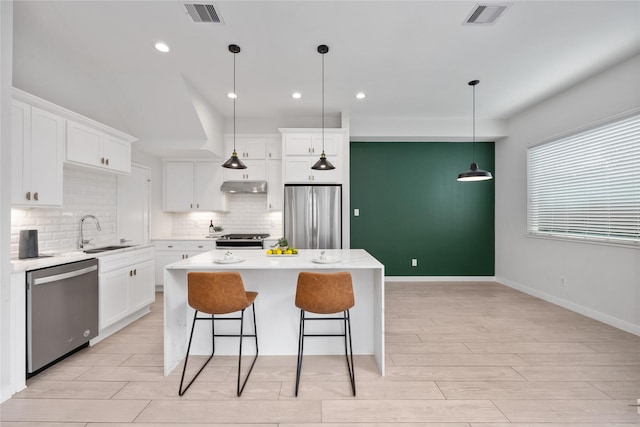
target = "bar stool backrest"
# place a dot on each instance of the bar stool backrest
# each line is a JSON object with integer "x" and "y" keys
{"x": 217, "y": 293}
{"x": 324, "y": 293}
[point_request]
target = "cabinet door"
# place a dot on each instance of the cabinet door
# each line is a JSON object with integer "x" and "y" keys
{"x": 274, "y": 149}
{"x": 298, "y": 169}
{"x": 331, "y": 144}
{"x": 275, "y": 189}
{"x": 84, "y": 145}
{"x": 178, "y": 186}
{"x": 254, "y": 149}
{"x": 47, "y": 151}
{"x": 255, "y": 171}
{"x": 114, "y": 296}
{"x": 297, "y": 145}
{"x": 141, "y": 285}
{"x": 207, "y": 194}
{"x": 20, "y": 147}
{"x": 117, "y": 154}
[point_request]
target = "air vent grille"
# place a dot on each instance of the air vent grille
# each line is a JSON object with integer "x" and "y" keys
{"x": 485, "y": 14}
{"x": 203, "y": 13}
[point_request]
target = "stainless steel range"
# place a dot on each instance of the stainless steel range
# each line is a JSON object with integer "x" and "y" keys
{"x": 241, "y": 241}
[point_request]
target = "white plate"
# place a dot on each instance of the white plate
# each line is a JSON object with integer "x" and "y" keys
{"x": 228, "y": 260}
{"x": 327, "y": 260}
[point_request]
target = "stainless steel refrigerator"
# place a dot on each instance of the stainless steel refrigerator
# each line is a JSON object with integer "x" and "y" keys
{"x": 313, "y": 216}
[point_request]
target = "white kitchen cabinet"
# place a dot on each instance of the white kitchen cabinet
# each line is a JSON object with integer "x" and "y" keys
{"x": 126, "y": 283}
{"x": 170, "y": 251}
{"x": 255, "y": 171}
{"x": 192, "y": 186}
{"x": 88, "y": 146}
{"x": 298, "y": 170}
{"x": 302, "y": 149}
{"x": 246, "y": 147}
{"x": 37, "y": 155}
{"x": 275, "y": 188}
{"x": 274, "y": 149}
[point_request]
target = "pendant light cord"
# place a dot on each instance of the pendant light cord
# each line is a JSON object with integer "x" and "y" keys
{"x": 322, "y": 103}
{"x": 235, "y": 95}
{"x": 474, "y": 123}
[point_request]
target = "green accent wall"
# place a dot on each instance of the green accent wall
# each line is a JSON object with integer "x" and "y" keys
{"x": 412, "y": 206}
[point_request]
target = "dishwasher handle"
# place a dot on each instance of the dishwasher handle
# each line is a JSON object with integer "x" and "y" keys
{"x": 62, "y": 276}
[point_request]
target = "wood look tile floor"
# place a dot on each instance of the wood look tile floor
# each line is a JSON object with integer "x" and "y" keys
{"x": 458, "y": 355}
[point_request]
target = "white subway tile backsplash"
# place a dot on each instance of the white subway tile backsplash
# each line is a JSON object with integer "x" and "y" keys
{"x": 247, "y": 214}
{"x": 85, "y": 192}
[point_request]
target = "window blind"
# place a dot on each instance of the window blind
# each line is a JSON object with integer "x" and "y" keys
{"x": 587, "y": 185}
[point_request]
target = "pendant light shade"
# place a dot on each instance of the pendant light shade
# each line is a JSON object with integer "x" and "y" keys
{"x": 234, "y": 162}
{"x": 323, "y": 164}
{"x": 474, "y": 174}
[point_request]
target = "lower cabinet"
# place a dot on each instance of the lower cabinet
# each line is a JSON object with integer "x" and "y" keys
{"x": 126, "y": 284}
{"x": 170, "y": 251}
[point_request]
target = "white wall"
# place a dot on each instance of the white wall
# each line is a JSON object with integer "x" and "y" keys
{"x": 603, "y": 282}
{"x": 6, "y": 61}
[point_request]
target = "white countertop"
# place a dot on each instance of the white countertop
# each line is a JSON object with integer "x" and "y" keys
{"x": 187, "y": 238}
{"x": 20, "y": 265}
{"x": 259, "y": 260}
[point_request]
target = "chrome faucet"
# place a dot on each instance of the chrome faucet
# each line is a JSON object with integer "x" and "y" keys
{"x": 82, "y": 241}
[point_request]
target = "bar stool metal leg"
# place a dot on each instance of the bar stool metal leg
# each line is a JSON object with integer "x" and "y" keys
{"x": 181, "y": 391}
{"x": 300, "y": 350}
{"x": 239, "y": 390}
{"x": 350, "y": 366}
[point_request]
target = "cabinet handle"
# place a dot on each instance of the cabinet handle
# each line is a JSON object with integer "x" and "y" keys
{"x": 169, "y": 246}
{"x": 35, "y": 196}
{"x": 102, "y": 160}
{"x": 107, "y": 162}
{"x": 28, "y": 195}
{"x": 135, "y": 271}
{"x": 191, "y": 205}
{"x": 199, "y": 246}
{"x": 198, "y": 206}
{"x": 309, "y": 150}
{"x": 130, "y": 273}
{"x": 186, "y": 256}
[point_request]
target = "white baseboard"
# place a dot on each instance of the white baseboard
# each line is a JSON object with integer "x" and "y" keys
{"x": 439, "y": 279}
{"x": 586, "y": 311}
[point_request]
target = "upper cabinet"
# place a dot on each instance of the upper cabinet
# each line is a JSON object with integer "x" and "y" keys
{"x": 192, "y": 186}
{"x": 255, "y": 171}
{"x": 37, "y": 153}
{"x": 302, "y": 149}
{"x": 91, "y": 147}
{"x": 247, "y": 147}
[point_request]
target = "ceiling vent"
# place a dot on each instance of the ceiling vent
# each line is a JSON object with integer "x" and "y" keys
{"x": 485, "y": 14}
{"x": 203, "y": 13}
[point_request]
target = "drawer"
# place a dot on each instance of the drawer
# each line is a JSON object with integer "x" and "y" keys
{"x": 113, "y": 262}
{"x": 171, "y": 246}
{"x": 141, "y": 255}
{"x": 200, "y": 246}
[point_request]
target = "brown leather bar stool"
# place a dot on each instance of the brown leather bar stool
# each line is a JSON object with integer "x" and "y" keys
{"x": 219, "y": 293}
{"x": 325, "y": 293}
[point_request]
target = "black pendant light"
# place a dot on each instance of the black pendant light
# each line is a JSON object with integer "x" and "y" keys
{"x": 234, "y": 162}
{"x": 474, "y": 174}
{"x": 323, "y": 164}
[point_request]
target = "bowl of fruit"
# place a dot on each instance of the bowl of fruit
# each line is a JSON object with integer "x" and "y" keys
{"x": 282, "y": 248}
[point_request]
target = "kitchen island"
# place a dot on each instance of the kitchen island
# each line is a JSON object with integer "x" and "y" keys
{"x": 275, "y": 278}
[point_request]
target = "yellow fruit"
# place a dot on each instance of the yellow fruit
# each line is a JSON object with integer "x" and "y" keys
{"x": 289, "y": 252}
{"x": 269, "y": 251}
{"x": 294, "y": 251}
{"x": 278, "y": 251}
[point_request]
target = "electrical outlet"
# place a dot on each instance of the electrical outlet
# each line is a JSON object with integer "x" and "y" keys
{"x": 356, "y": 212}
{"x": 638, "y": 406}
{"x": 563, "y": 281}
{"x": 414, "y": 262}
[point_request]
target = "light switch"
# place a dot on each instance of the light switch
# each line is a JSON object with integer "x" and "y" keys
{"x": 356, "y": 212}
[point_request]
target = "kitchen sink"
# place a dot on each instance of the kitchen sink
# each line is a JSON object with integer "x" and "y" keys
{"x": 106, "y": 248}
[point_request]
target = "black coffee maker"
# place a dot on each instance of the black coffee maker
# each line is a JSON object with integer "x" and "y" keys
{"x": 28, "y": 244}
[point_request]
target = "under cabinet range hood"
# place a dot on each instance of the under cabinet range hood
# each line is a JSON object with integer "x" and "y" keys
{"x": 244, "y": 187}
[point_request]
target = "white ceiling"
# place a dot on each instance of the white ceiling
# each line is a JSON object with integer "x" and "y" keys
{"x": 412, "y": 58}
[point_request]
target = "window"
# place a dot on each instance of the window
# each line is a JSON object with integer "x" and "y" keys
{"x": 587, "y": 185}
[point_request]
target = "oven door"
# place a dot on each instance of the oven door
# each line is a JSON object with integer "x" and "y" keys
{"x": 239, "y": 244}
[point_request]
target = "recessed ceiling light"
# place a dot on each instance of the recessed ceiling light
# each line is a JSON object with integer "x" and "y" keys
{"x": 232, "y": 95}
{"x": 361, "y": 95}
{"x": 162, "y": 47}
{"x": 296, "y": 95}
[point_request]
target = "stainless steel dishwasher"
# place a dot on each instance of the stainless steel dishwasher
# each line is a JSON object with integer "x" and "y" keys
{"x": 62, "y": 311}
